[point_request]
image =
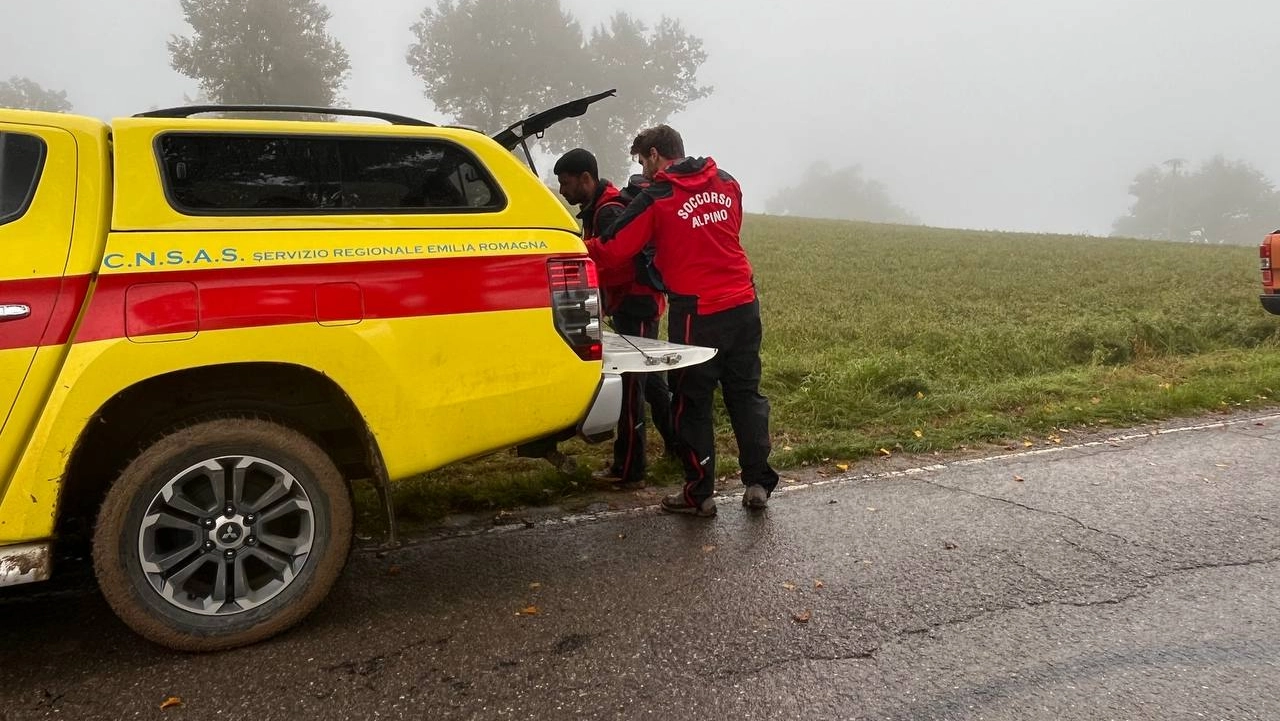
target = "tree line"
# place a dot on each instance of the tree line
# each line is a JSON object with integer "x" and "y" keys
{"x": 1221, "y": 201}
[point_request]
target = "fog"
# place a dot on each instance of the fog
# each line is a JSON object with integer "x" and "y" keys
{"x": 997, "y": 114}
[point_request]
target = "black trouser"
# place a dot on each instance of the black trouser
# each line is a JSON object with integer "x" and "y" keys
{"x": 629, "y": 446}
{"x": 736, "y": 369}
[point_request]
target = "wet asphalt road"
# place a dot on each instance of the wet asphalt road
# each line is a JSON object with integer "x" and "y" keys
{"x": 1137, "y": 579}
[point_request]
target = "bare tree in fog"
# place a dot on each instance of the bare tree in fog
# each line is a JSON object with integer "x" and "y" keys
{"x": 489, "y": 63}
{"x": 261, "y": 51}
{"x": 656, "y": 74}
{"x": 26, "y": 94}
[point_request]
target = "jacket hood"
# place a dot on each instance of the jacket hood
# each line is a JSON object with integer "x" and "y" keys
{"x": 689, "y": 173}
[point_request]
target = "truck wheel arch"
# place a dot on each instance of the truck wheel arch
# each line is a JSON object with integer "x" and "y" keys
{"x": 292, "y": 395}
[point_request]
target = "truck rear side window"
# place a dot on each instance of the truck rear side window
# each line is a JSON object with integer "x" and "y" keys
{"x": 228, "y": 174}
{"x": 21, "y": 159}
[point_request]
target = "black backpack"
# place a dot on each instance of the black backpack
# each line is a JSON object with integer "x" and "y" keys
{"x": 646, "y": 273}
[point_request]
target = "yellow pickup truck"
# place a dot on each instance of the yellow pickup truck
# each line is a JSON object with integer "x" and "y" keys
{"x": 210, "y": 326}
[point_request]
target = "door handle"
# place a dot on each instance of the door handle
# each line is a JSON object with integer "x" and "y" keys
{"x": 14, "y": 311}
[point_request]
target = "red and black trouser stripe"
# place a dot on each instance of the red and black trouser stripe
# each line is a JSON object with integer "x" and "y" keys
{"x": 736, "y": 334}
{"x": 637, "y": 388}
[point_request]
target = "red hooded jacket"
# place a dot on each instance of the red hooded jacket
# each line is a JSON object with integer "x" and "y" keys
{"x": 692, "y": 213}
{"x": 617, "y": 279}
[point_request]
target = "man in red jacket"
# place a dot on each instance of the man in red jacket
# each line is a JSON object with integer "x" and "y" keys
{"x": 691, "y": 213}
{"x": 634, "y": 309}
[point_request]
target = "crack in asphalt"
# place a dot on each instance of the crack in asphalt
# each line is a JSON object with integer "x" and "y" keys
{"x": 1046, "y": 511}
{"x": 1096, "y": 554}
{"x": 870, "y": 654}
{"x": 1140, "y": 592}
{"x": 1052, "y": 583}
{"x": 1136, "y": 593}
{"x": 1223, "y": 564}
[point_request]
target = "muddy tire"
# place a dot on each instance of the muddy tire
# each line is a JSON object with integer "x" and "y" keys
{"x": 222, "y": 533}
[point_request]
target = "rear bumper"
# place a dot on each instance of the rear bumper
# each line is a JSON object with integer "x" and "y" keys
{"x": 596, "y": 426}
{"x": 1271, "y": 303}
{"x": 600, "y": 421}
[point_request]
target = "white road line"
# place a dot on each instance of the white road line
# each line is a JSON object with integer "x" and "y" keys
{"x": 724, "y": 499}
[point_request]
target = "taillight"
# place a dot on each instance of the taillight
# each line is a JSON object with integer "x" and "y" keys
{"x": 1264, "y": 259}
{"x": 575, "y": 303}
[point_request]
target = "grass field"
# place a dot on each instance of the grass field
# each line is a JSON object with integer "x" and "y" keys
{"x": 918, "y": 339}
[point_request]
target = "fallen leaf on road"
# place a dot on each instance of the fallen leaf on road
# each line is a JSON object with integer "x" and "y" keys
{"x": 708, "y": 549}
{"x": 790, "y": 480}
{"x": 919, "y": 395}
{"x": 170, "y": 702}
{"x": 528, "y": 611}
{"x": 789, "y": 586}
{"x": 1027, "y": 444}
{"x": 918, "y": 433}
{"x": 802, "y": 617}
{"x": 817, "y": 583}
{"x": 842, "y": 466}
{"x": 1019, "y": 479}
{"x": 884, "y": 452}
{"x": 535, "y": 586}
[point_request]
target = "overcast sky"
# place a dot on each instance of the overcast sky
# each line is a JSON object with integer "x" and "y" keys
{"x": 1003, "y": 114}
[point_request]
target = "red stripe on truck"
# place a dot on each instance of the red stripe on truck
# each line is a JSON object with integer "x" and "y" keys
{"x": 258, "y": 296}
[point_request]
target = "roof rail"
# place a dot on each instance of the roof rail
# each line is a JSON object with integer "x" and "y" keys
{"x": 187, "y": 111}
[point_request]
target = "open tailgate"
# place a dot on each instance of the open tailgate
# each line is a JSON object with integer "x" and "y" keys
{"x": 630, "y": 354}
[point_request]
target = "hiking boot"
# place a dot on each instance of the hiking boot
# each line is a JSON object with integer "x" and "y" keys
{"x": 677, "y": 504}
{"x": 755, "y": 498}
{"x": 608, "y": 475}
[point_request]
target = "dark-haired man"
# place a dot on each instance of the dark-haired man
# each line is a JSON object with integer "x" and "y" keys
{"x": 634, "y": 309}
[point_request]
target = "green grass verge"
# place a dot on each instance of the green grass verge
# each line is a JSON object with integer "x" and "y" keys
{"x": 921, "y": 339}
